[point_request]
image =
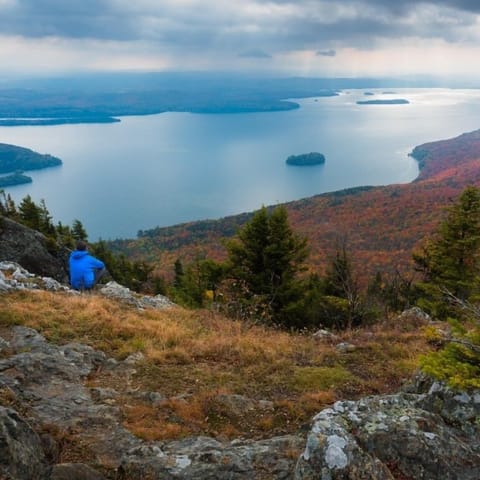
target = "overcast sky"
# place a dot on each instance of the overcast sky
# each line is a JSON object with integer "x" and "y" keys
{"x": 301, "y": 37}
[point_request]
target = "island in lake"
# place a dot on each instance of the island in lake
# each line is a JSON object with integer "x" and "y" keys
{"x": 306, "y": 159}
{"x": 17, "y": 178}
{"x": 14, "y": 160}
{"x": 394, "y": 101}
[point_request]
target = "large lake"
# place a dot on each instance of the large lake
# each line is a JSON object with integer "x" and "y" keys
{"x": 160, "y": 170}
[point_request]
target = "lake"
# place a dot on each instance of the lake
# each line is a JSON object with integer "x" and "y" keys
{"x": 165, "y": 169}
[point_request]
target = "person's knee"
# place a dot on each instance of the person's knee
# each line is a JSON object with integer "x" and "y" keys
{"x": 99, "y": 274}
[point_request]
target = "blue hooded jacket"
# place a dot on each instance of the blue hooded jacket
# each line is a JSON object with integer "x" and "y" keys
{"x": 82, "y": 269}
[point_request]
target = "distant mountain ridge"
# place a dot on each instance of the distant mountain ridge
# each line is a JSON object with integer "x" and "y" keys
{"x": 382, "y": 225}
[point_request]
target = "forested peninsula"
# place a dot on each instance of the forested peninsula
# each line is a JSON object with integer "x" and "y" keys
{"x": 102, "y": 98}
{"x": 14, "y": 160}
{"x": 32, "y": 122}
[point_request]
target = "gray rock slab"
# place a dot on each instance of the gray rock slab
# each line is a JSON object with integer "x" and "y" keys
{"x": 397, "y": 436}
{"x": 21, "y": 452}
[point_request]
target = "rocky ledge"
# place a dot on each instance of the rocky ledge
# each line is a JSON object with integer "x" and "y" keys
{"x": 431, "y": 435}
{"x": 50, "y": 406}
{"x": 428, "y": 434}
{"x": 53, "y": 426}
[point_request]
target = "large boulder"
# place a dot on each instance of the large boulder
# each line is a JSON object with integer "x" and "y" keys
{"x": 425, "y": 436}
{"x": 31, "y": 250}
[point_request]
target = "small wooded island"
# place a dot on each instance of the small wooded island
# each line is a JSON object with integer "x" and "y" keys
{"x": 17, "y": 178}
{"x": 394, "y": 101}
{"x": 14, "y": 160}
{"x": 306, "y": 159}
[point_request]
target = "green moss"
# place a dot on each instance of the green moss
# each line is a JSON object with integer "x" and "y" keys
{"x": 309, "y": 379}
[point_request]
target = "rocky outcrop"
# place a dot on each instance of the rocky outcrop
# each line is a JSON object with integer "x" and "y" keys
{"x": 15, "y": 277}
{"x": 429, "y": 435}
{"x": 49, "y": 379}
{"x": 426, "y": 432}
{"x": 21, "y": 452}
{"x": 203, "y": 458}
{"x": 31, "y": 250}
{"x": 124, "y": 294}
{"x": 429, "y": 432}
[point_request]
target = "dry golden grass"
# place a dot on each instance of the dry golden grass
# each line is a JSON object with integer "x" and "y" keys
{"x": 192, "y": 357}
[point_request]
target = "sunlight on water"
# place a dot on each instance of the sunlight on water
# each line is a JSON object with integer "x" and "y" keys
{"x": 176, "y": 167}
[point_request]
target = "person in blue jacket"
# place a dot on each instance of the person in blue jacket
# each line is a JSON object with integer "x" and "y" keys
{"x": 85, "y": 270}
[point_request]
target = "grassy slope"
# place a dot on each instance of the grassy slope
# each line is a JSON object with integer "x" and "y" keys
{"x": 382, "y": 224}
{"x": 193, "y": 356}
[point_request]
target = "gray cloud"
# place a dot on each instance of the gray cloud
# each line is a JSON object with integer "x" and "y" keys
{"x": 326, "y": 53}
{"x": 402, "y": 5}
{"x": 268, "y": 26}
{"x": 73, "y": 19}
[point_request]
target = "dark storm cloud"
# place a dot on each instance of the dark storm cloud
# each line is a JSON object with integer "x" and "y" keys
{"x": 362, "y": 24}
{"x": 73, "y": 19}
{"x": 364, "y": 31}
{"x": 221, "y": 25}
{"x": 402, "y": 5}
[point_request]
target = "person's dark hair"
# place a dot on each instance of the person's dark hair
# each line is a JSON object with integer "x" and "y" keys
{"x": 81, "y": 245}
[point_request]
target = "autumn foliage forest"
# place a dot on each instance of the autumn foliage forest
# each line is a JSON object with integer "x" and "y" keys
{"x": 381, "y": 226}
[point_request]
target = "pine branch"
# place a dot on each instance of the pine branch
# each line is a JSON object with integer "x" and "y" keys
{"x": 462, "y": 304}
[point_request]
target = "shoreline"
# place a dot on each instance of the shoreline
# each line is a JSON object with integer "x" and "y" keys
{"x": 414, "y": 170}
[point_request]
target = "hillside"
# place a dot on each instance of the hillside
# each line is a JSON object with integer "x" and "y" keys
{"x": 382, "y": 225}
{"x": 105, "y": 386}
{"x": 167, "y": 374}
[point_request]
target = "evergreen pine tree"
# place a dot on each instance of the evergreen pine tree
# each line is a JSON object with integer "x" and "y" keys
{"x": 78, "y": 231}
{"x": 247, "y": 254}
{"x": 450, "y": 261}
{"x": 46, "y": 226}
{"x": 29, "y": 213}
{"x": 267, "y": 257}
{"x": 179, "y": 274}
{"x": 64, "y": 236}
